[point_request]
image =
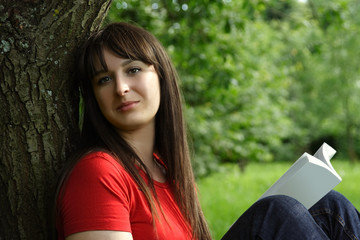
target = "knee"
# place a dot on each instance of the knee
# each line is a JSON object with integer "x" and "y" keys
{"x": 278, "y": 200}
{"x": 333, "y": 200}
{"x": 282, "y": 203}
{"x": 281, "y": 210}
{"x": 334, "y": 195}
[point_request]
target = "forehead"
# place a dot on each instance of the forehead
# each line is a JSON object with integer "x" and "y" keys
{"x": 112, "y": 58}
{"x": 102, "y": 58}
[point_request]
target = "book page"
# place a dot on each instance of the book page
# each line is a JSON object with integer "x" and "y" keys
{"x": 325, "y": 153}
{"x": 308, "y": 179}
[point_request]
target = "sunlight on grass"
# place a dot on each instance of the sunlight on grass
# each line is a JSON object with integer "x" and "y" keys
{"x": 225, "y": 195}
{"x": 349, "y": 186}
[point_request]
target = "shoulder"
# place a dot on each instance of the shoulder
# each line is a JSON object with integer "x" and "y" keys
{"x": 97, "y": 178}
{"x": 98, "y": 163}
{"x": 98, "y": 159}
{"x": 96, "y": 195}
{"x": 99, "y": 170}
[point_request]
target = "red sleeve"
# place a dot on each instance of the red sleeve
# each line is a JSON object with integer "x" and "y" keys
{"x": 96, "y": 196}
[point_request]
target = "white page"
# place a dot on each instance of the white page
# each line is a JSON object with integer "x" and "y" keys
{"x": 325, "y": 153}
{"x": 308, "y": 179}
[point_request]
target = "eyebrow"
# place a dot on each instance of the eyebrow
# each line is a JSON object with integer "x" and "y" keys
{"x": 126, "y": 62}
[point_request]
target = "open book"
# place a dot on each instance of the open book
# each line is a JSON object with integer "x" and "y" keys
{"x": 309, "y": 178}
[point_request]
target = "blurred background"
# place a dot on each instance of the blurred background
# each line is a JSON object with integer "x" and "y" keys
{"x": 263, "y": 80}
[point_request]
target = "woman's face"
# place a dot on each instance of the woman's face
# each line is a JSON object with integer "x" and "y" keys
{"x": 128, "y": 93}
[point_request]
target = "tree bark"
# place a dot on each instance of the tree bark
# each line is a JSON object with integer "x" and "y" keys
{"x": 38, "y": 105}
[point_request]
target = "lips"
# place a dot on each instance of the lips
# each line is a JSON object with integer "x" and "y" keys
{"x": 125, "y": 106}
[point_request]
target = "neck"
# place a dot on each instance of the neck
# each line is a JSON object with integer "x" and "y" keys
{"x": 143, "y": 141}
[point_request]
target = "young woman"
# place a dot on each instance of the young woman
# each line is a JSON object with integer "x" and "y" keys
{"x": 132, "y": 178}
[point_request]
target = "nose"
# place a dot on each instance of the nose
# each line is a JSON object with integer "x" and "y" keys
{"x": 122, "y": 86}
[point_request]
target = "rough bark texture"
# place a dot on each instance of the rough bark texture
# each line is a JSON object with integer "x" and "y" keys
{"x": 38, "y": 105}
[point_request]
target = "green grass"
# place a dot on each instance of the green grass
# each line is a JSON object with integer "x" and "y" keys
{"x": 225, "y": 195}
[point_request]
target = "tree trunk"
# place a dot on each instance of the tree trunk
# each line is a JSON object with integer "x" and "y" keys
{"x": 38, "y": 105}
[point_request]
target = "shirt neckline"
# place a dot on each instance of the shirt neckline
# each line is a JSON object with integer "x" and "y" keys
{"x": 156, "y": 183}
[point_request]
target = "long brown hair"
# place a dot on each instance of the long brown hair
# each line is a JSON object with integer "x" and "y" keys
{"x": 130, "y": 41}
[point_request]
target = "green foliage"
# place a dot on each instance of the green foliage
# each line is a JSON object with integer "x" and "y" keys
{"x": 327, "y": 82}
{"x": 261, "y": 79}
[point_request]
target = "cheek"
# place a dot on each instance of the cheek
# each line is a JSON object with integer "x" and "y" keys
{"x": 157, "y": 94}
{"x": 152, "y": 90}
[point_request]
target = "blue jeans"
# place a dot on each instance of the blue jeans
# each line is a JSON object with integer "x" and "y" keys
{"x": 282, "y": 217}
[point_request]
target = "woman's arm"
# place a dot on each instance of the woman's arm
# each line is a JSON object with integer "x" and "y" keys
{"x": 100, "y": 235}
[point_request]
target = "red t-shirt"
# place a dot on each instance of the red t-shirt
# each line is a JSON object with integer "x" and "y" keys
{"x": 101, "y": 195}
